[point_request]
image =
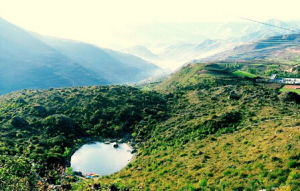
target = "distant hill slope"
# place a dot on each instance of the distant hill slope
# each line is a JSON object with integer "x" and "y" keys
{"x": 178, "y": 43}
{"x": 114, "y": 66}
{"x": 278, "y": 48}
{"x": 26, "y": 61}
{"x": 143, "y": 52}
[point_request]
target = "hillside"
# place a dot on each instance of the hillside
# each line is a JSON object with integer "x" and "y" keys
{"x": 45, "y": 126}
{"x": 221, "y": 73}
{"x": 220, "y": 135}
{"x": 28, "y": 62}
{"x": 282, "y": 48}
{"x": 196, "y": 132}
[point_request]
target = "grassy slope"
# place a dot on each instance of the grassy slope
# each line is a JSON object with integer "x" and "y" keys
{"x": 183, "y": 77}
{"x": 186, "y": 152}
{"x": 179, "y": 156}
{"x": 244, "y": 74}
{"x": 193, "y": 74}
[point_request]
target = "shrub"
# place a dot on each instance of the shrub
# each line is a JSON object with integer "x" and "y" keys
{"x": 293, "y": 164}
{"x": 203, "y": 182}
{"x": 19, "y": 122}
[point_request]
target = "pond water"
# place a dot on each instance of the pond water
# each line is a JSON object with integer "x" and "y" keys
{"x": 101, "y": 158}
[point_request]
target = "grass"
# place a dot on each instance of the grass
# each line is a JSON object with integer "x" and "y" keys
{"x": 257, "y": 64}
{"x": 244, "y": 74}
{"x": 230, "y": 160}
{"x": 274, "y": 66}
{"x": 256, "y": 155}
{"x": 290, "y": 90}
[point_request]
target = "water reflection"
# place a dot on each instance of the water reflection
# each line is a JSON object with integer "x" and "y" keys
{"x": 101, "y": 158}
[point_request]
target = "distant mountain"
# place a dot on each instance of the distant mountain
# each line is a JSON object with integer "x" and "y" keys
{"x": 26, "y": 62}
{"x": 278, "y": 48}
{"x": 178, "y": 43}
{"x": 116, "y": 67}
{"x": 180, "y": 53}
{"x": 143, "y": 52}
{"x": 31, "y": 61}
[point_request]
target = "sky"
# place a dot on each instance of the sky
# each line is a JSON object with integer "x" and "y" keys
{"x": 102, "y": 22}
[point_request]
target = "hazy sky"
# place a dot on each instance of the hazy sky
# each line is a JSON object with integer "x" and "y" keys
{"x": 100, "y": 21}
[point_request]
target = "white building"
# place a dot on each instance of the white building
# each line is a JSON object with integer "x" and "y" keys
{"x": 274, "y": 79}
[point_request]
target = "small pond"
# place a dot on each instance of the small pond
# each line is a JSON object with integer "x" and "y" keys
{"x": 101, "y": 158}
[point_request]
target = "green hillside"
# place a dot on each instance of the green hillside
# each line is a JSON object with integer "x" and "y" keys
{"x": 204, "y": 128}
{"x": 225, "y": 72}
{"x": 46, "y": 126}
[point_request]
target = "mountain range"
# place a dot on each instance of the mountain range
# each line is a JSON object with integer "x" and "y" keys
{"x": 180, "y": 43}
{"x": 29, "y": 60}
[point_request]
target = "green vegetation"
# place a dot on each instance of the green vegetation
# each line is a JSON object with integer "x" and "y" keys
{"x": 244, "y": 74}
{"x": 46, "y": 126}
{"x": 290, "y": 90}
{"x": 202, "y": 129}
{"x": 223, "y": 73}
{"x": 17, "y": 173}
